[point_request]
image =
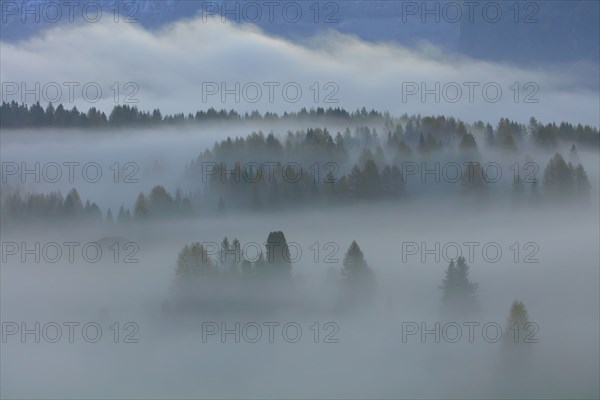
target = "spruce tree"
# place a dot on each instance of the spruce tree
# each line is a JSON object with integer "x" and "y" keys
{"x": 141, "y": 211}
{"x": 518, "y": 328}
{"x": 516, "y": 351}
{"x": 467, "y": 143}
{"x": 278, "y": 253}
{"x": 582, "y": 184}
{"x": 73, "y": 207}
{"x": 559, "y": 177}
{"x": 358, "y": 279}
{"x": 459, "y": 294}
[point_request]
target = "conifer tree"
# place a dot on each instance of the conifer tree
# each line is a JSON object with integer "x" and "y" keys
{"x": 193, "y": 261}
{"x": 459, "y": 294}
{"x": 140, "y": 210}
{"x": 358, "y": 278}
{"x": 278, "y": 253}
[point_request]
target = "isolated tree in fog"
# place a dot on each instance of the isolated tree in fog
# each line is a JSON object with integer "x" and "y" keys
{"x": 516, "y": 351}
{"x": 278, "y": 253}
{"x": 518, "y": 329}
{"x": 459, "y": 294}
{"x": 357, "y": 277}
{"x": 193, "y": 261}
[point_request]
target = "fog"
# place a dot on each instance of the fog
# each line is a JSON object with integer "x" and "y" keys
{"x": 370, "y": 357}
{"x": 160, "y": 156}
{"x": 382, "y": 245}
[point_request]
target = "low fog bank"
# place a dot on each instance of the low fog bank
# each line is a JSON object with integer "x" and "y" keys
{"x": 100, "y": 163}
{"x": 424, "y": 289}
{"x": 371, "y": 357}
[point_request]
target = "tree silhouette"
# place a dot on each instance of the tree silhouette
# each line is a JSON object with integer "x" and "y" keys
{"x": 459, "y": 294}
{"x": 141, "y": 211}
{"x": 518, "y": 326}
{"x": 160, "y": 202}
{"x": 358, "y": 279}
{"x": 515, "y": 367}
{"x": 558, "y": 177}
{"x": 582, "y": 184}
{"x": 278, "y": 254}
{"x": 73, "y": 207}
{"x": 467, "y": 143}
{"x": 193, "y": 261}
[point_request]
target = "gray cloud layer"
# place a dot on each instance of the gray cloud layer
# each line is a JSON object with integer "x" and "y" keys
{"x": 170, "y": 66}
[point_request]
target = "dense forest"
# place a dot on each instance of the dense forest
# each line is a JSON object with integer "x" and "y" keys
{"x": 15, "y": 115}
{"x": 272, "y": 172}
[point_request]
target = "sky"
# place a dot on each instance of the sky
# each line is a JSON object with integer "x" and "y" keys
{"x": 205, "y": 62}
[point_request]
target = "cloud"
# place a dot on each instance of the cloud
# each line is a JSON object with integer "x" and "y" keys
{"x": 182, "y": 68}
